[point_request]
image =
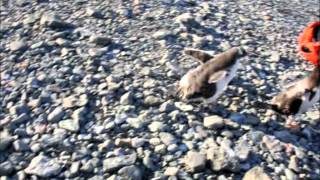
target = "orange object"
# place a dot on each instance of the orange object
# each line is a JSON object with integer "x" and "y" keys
{"x": 309, "y": 43}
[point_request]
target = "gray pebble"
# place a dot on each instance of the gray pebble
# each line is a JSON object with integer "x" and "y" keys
{"x": 195, "y": 161}
{"x": 21, "y": 145}
{"x": 56, "y": 115}
{"x": 213, "y": 122}
{"x": 6, "y": 168}
{"x": 43, "y": 166}
{"x": 131, "y": 172}
{"x": 115, "y": 163}
{"x": 167, "y": 138}
{"x": 18, "y": 45}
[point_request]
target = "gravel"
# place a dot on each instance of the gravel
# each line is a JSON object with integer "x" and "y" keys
{"x": 56, "y": 115}
{"x": 213, "y": 122}
{"x": 256, "y": 173}
{"x": 43, "y": 166}
{"x": 115, "y": 163}
{"x": 88, "y": 91}
{"x": 195, "y": 161}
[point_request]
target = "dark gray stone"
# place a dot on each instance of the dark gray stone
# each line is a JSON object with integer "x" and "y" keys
{"x": 115, "y": 163}
{"x": 131, "y": 173}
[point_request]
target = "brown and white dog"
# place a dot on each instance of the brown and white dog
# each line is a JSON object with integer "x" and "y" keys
{"x": 209, "y": 80}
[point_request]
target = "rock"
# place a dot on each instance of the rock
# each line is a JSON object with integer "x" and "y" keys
{"x": 225, "y": 46}
{"x": 272, "y": 143}
{"x": 256, "y": 173}
{"x": 83, "y": 100}
{"x": 195, "y": 161}
{"x": 137, "y": 142}
{"x": 69, "y": 124}
{"x": 49, "y": 140}
{"x": 237, "y": 117}
{"x": 223, "y": 159}
{"x": 105, "y": 146}
{"x": 146, "y": 71}
{"x": 123, "y": 142}
{"x": 255, "y": 136}
{"x": 74, "y": 168}
{"x": 79, "y": 114}
{"x": 19, "y": 109}
{"x": 20, "y": 119}
{"x": 293, "y": 163}
{"x": 152, "y": 101}
{"x": 285, "y": 136}
{"x": 5, "y": 140}
{"x": 69, "y": 102}
{"x": 147, "y": 162}
{"x": 184, "y": 18}
{"x": 110, "y": 125}
{"x": 43, "y": 166}
{"x": 252, "y": 120}
{"x": 213, "y": 122}
{"x": 6, "y": 168}
{"x": 87, "y": 167}
{"x": 150, "y": 83}
{"x": 62, "y": 42}
{"x": 53, "y": 21}
{"x": 199, "y": 41}
{"x": 172, "y": 148}
{"x": 97, "y": 52}
{"x": 30, "y": 19}
{"x": 120, "y": 118}
{"x": 171, "y": 171}
{"x": 114, "y": 177}
{"x": 64, "y": 52}
{"x": 115, "y": 163}
{"x": 36, "y": 147}
{"x": 23, "y": 2}
{"x": 167, "y": 138}
{"x": 38, "y": 45}
{"x": 156, "y": 126}
{"x": 184, "y": 107}
{"x": 18, "y": 45}
{"x": 100, "y": 40}
{"x": 56, "y": 115}
{"x": 290, "y": 175}
{"x": 125, "y": 12}
{"x": 131, "y": 173}
{"x": 166, "y": 107}
{"x": 161, "y": 149}
{"x": 275, "y": 57}
{"x": 93, "y": 12}
{"x": 135, "y": 122}
{"x": 161, "y": 34}
{"x": 243, "y": 150}
{"x": 126, "y": 99}
{"x": 21, "y": 145}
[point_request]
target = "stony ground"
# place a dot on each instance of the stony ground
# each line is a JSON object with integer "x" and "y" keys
{"x": 86, "y": 91}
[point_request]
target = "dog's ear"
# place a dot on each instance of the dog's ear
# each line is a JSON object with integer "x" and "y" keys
{"x": 197, "y": 54}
